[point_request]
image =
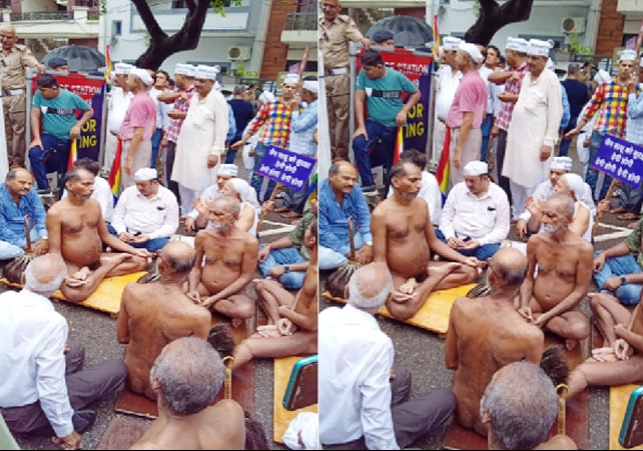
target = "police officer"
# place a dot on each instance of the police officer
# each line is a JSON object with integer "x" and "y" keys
{"x": 13, "y": 60}
{"x": 335, "y": 31}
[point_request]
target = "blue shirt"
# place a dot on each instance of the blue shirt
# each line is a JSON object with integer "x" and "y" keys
{"x": 333, "y": 218}
{"x": 564, "y": 121}
{"x": 58, "y": 115}
{"x": 578, "y": 95}
{"x": 302, "y": 130}
{"x": 243, "y": 114}
{"x": 232, "y": 129}
{"x": 12, "y": 222}
{"x": 634, "y": 125}
{"x": 384, "y": 95}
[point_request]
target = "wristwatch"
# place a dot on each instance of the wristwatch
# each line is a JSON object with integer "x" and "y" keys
{"x": 623, "y": 280}
{"x": 287, "y": 268}
{"x": 369, "y": 243}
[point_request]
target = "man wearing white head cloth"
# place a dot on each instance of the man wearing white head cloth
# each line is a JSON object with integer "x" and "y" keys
{"x": 531, "y": 219}
{"x": 446, "y": 84}
{"x": 533, "y": 131}
{"x": 274, "y": 120}
{"x": 511, "y": 78}
{"x": 201, "y": 140}
{"x": 609, "y": 103}
{"x": 475, "y": 217}
{"x": 137, "y": 127}
{"x": 119, "y": 99}
{"x": 180, "y": 98}
{"x": 467, "y": 112}
{"x": 147, "y": 214}
{"x": 197, "y": 218}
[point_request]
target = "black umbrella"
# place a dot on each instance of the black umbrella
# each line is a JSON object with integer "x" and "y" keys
{"x": 407, "y": 31}
{"x": 80, "y": 58}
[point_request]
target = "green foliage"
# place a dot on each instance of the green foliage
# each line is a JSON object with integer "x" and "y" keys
{"x": 240, "y": 71}
{"x": 103, "y": 7}
{"x": 219, "y": 6}
{"x": 575, "y": 46}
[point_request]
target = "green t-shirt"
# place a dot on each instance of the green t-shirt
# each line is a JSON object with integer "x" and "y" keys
{"x": 384, "y": 95}
{"x": 58, "y": 115}
{"x": 299, "y": 233}
{"x": 633, "y": 242}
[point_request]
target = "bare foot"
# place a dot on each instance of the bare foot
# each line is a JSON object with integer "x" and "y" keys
{"x": 570, "y": 344}
{"x": 409, "y": 286}
{"x": 442, "y": 271}
{"x": 116, "y": 259}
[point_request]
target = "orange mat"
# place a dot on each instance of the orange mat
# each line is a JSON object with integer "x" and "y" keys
{"x": 619, "y": 397}
{"x": 281, "y": 416}
{"x": 243, "y": 388}
{"x": 434, "y": 314}
{"x": 106, "y": 298}
{"x": 576, "y": 416}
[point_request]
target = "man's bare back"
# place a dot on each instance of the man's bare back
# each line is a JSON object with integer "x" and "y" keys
{"x": 221, "y": 426}
{"x": 151, "y": 316}
{"x": 484, "y": 335}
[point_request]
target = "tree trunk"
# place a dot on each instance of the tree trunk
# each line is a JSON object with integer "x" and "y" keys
{"x": 494, "y": 16}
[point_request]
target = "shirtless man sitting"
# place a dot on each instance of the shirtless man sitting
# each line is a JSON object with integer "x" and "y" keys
{"x": 403, "y": 238}
{"x": 486, "y": 334}
{"x": 295, "y": 330}
{"x": 187, "y": 419}
{"x": 620, "y": 360}
{"x": 154, "y": 314}
{"x": 563, "y": 259}
{"x": 77, "y": 230}
{"x": 229, "y": 257}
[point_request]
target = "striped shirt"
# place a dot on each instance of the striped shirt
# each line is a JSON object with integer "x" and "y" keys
{"x": 276, "y": 117}
{"x": 507, "y": 108}
{"x": 610, "y": 102}
{"x": 172, "y": 132}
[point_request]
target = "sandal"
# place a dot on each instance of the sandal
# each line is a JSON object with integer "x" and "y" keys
{"x": 281, "y": 210}
{"x": 618, "y": 210}
{"x": 628, "y": 217}
{"x": 292, "y": 214}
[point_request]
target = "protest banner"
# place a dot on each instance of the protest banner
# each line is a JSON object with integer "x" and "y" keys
{"x": 286, "y": 168}
{"x": 621, "y": 160}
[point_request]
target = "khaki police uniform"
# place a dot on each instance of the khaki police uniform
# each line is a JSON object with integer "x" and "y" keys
{"x": 13, "y": 80}
{"x": 333, "y": 43}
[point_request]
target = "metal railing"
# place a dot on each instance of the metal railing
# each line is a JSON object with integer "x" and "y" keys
{"x": 301, "y": 21}
{"x": 43, "y": 15}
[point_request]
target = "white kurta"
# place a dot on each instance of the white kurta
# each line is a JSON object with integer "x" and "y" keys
{"x": 202, "y": 134}
{"x": 535, "y": 122}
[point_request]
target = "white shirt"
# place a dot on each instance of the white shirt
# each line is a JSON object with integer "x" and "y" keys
{"x": 32, "y": 346}
{"x": 154, "y": 93}
{"x": 430, "y": 192}
{"x": 118, "y": 103}
{"x": 545, "y": 190}
{"x": 211, "y": 193}
{"x": 103, "y": 194}
{"x": 484, "y": 72}
{"x": 447, "y": 85}
{"x": 157, "y": 217}
{"x": 355, "y": 360}
{"x": 485, "y": 219}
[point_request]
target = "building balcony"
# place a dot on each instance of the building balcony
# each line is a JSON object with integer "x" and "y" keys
{"x": 388, "y": 4}
{"x": 74, "y": 24}
{"x": 630, "y": 8}
{"x": 301, "y": 30}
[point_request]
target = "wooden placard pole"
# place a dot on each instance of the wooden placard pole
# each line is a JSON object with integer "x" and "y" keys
{"x": 599, "y": 215}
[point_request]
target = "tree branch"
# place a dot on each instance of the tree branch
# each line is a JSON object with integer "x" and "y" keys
{"x": 190, "y": 4}
{"x": 152, "y": 26}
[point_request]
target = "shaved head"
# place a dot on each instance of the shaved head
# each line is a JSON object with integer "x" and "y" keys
{"x": 178, "y": 256}
{"x": 510, "y": 265}
{"x": 563, "y": 203}
{"x": 369, "y": 287}
{"x": 45, "y": 274}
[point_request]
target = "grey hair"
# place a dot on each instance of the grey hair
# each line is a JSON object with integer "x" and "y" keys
{"x": 46, "y": 289}
{"x": 523, "y": 405}
{"x": 191, "y": 374}
{"x": 232, "y": 203}
{"x": 357, "y": 286}
{"x": 565, "y": 202}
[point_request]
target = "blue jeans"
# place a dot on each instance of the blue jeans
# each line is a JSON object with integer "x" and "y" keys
{"x": 485, "y": 128}
{"x": 51, "y": 157}
{"x": 565, "y": 142}
{"x": 330, "y": 259}
{"x": 230, "y": 156}
{"x": 592, "y": 174}
{"x": 628, "y": 294}
{"x": 153, "y": 245}
{"x": 156, "y": 143}
{"x": 362, "y": 148}
{"x": 257, "y": 180}
{"x": 292, "y": 280}
{"x": 482, "y": 253}
{"x": 9, "y": 251}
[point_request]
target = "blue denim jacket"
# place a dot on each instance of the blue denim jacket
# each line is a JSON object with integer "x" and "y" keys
{"x": 12, "y": 226}
{"x": 333, "y": 218}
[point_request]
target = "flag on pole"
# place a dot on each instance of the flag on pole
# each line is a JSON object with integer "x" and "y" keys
{"x": 73, "y": 154}
{"x": 108, "y": 62}
{"x": 436, "y": 36}
{"x": 115, "y": 174}
{"x": 399, "y": 144}
{"x": 442, "y": 173}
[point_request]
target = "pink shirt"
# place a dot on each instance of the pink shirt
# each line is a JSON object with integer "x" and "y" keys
{"x": 470, "y": 96}
{"x": 141, "y": 112}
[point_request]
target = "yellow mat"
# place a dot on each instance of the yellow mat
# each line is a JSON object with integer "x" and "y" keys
{"x": 281, "y": 416}
{"x": 434, "y": 314}
{"x": 106, "y": 298}
{"x": 619, "y": 397}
